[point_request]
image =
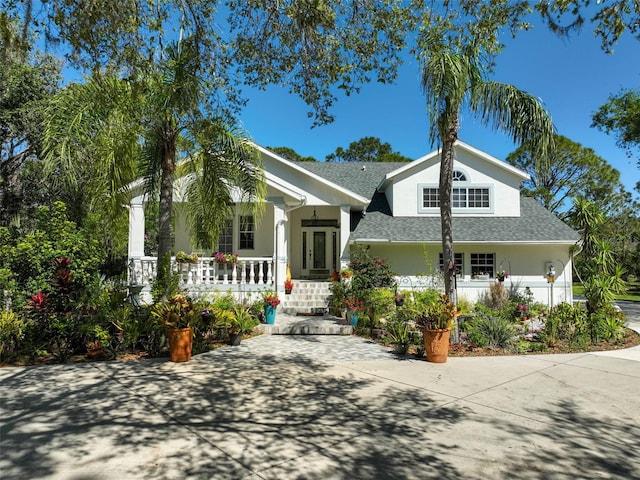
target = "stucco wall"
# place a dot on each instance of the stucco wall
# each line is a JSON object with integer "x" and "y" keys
{"x": 264, "y": 237}
{"x": 404, "y": 195}
{"x": 526, "y": 266}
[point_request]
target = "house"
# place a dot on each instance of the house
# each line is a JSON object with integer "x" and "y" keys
{"x": 316, "y": 211}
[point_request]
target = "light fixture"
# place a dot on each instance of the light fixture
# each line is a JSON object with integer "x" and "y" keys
{"x": 314, "y": 217}
{"x": 551, "y": 273}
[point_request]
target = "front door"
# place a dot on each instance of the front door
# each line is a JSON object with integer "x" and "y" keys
{"x": 318, "y": 252}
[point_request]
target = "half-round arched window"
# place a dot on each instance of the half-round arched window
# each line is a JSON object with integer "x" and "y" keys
{"x": 458, "y": 176}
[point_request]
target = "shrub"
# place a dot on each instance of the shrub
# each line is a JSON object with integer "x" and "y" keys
{"x": 491, "y": 331}
{"x": 567, "y": 323}
{"x": 26, "y": 259}
{"x": 11, "y": 332}
{"x": 606, "y": 324}
{"x": 339, "y": 293}
{"x": 369, "y": 272}
{"x": 399, "y": 333}
{"x": 498, "y": 296}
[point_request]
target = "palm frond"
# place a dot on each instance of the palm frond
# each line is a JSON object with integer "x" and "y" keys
{"x": 226, "y": 163}
{"x": 446, "y": 81}
{"x": 90, "y": 140}
{"x": 515, "y": 112}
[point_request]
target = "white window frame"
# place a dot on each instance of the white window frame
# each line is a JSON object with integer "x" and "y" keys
{"x": 459, "y": 259}
{"x": 480, "y": 266}
{"x": 251, "y": 233}
{"x": 225, "y": 240}
{"x": 457, "y": 186}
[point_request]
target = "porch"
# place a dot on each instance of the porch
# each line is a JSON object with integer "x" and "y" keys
{"x": 207, "y": 272}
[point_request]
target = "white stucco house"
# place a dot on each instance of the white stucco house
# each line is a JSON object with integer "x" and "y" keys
{"x": 316, "y": 211}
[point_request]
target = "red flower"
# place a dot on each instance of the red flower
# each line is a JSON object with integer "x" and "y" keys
{"x": 39, "y": 299}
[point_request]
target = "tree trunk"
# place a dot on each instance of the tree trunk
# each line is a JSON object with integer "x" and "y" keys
{"x": 449, "y": 134}
{"x": 165, "y": 209}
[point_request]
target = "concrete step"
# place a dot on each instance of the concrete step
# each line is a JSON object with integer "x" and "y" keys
{"x": 307, "y": 297}
{"x": 287, "y": 324}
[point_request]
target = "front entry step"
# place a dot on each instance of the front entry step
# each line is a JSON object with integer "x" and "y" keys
{"x": 308, "y": 297}
{"x": 286, "y": 324}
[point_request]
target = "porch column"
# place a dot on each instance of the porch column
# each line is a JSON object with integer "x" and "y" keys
{"x": 345, "y": 230}
{"x": 280, "y": 245}
{"x": 136, "y": 228}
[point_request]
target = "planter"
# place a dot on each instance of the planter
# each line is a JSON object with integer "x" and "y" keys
{"x": 287, "y": 291}
{"x": 234, "y": 339}
{"x": 436, "y": 344}
{"x": 95, "y": 353}
{"x": 270, "y": 314}
{"x": 352, "y": 317}
{"x": 180, "y": 344}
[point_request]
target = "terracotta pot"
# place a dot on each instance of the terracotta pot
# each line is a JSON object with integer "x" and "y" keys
{"x": 436, "y": 344}
{"x": 180, "y": 344}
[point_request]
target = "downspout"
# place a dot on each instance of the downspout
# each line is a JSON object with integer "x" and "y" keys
{"x": 280, "y": 223}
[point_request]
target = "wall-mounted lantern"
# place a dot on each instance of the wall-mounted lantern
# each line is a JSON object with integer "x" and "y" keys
{"x": 551, "y": 273}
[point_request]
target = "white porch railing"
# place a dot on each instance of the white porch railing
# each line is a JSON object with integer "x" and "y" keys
{"x": 248, "y": 271}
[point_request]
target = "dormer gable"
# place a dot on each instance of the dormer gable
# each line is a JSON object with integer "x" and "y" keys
{"x": 482, "y": 186}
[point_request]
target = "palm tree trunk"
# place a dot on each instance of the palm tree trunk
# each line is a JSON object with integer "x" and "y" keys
{"x": 449, "y": 135}
{"x": 165, "y": 208}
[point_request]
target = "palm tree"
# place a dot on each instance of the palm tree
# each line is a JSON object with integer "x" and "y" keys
{"x": 155, "y": 126}
{"x": 451, "y": 81}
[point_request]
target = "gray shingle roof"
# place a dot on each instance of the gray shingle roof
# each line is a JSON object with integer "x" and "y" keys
{"x": 535, "y": 224}
{"x": 351, "y": 175}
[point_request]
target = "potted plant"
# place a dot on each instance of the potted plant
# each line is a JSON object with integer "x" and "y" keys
{"x": 288, "y": 283}
{"x": 521, "y": 311}
{"x": 288, "y": 286}
{"x": 100, "y": 341}
{"x": 182, "y": 257}
{"x": 179, "y": 316}
{"x": 352, "y": 306}
{"x": 436, "y": 320}
{"x": 223, "y": 258}
{"x": 346, "y": 273}
{"x": 501, "y": 275}
{"x": 270, "y": 302}
{"x": 240, "y": 322}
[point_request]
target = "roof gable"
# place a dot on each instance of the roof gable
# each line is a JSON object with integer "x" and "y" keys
{"x": 433, "y": 157}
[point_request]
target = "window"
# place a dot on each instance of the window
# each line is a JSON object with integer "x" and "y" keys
{"x": 458, "y": 176}
{"x": 247, "y": 232}
{"x": 478, "y": 197}
{"x": 430, "y": 198}
{"x": 461, "y": 197}
{"x": 459, "y": 257}
{"x": 225, "y": 241}
{"x": 483, "y": 265}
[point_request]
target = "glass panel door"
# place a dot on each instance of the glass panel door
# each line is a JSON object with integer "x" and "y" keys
{"x": 319, "y": 250}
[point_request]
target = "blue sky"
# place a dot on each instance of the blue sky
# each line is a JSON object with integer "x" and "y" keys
{"x": 572, "y": 77}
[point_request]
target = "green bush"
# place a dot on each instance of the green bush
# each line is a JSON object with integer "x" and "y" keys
{"x": 369, "y": 272}
{"x": 27, "y": 258}
{"x": 339, "y": 293}
{"x": 567, "y": 323}
{"x": 400, "y": 333}
{"x": 490, "y": 331}
{"x": 12, "y": 328}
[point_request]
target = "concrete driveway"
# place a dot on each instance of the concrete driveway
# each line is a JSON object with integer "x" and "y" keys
{"x": 286, "y": 407}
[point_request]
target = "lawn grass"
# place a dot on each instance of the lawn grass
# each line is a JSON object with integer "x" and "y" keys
{"x": 632, "y": 295}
